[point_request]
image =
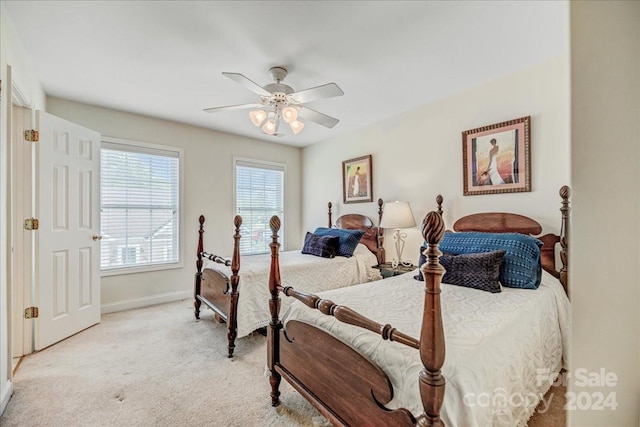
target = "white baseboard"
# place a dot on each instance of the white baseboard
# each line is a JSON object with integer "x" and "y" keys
{"x": 7, "y": 391}
{"x": 145, "y": 302}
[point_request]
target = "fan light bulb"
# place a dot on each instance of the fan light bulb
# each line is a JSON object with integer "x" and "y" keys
{"x": 289, "y": 114}
{"x": 296, "y": 126}
{"x": 257, "y": 117}
{"x": 270, "y": 127}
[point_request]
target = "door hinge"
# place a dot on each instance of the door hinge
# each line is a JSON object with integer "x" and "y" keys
{"x": 31, "y": 135}
{"x": 31, "y": 312}
{"x": 31, "y": 224}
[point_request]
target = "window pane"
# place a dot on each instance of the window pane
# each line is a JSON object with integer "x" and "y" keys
{"x": 139, "y": 208}
{"x": 259, "y": 196}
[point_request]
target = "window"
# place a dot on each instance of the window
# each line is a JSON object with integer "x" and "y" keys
{"x": 259, "y": 196}
{"x": 139, "y": 206}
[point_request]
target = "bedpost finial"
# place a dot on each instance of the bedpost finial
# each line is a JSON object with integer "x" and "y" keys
{"x": 565, "y": 192}
{"x": 201, "y": 219}
{"x": 439, "y": 199}
{"x": 329, "y": 205}
{"x": 380, "y": 202}
{"x": 237, "y": 221}
{"x": 274, "y": 223}
{"x": 433, "y": 228}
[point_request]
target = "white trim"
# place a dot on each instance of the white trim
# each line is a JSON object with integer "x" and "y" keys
{"x": 145, "y": 301}
{"x": 18, "y": 97}
{"x": 140, "y": 269}
{"x": 7, "y": 392}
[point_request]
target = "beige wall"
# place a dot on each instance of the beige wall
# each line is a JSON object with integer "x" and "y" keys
{"x": 208, "y": 182}
{"x": 418, "y": 155}
{"x": 605, "y": 243}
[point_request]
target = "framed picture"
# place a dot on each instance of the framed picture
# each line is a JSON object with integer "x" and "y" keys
{"x": 495, "y": 158}
{"x": 357, "y": 180}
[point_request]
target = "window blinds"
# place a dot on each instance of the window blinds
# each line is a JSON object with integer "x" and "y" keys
{"x": 139, "y": 206}
{"x": 259, "y": 196}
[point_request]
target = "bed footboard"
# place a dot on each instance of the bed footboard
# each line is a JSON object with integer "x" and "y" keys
{"x": 345, "y": 386}
{"x": 215, "y": 289}
{"x": 317, "y": 365}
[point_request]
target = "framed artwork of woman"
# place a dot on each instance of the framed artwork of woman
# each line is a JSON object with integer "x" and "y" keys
{"x": 357, "y": 180}
{"x": 495, "y": 158}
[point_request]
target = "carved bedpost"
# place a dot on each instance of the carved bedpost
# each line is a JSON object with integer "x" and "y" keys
{"x": 198, "y": 278}
{"x": 380, "y": 254}
{"x": 273, "y": 332}
{"x": 232, "y": 320}
{"x": 432, "y": 350}
{"x": 565, "y": 193}
{"x": 329, "y": 205}
{"x": 439, "y": 202}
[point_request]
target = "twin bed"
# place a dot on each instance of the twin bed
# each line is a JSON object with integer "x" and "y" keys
{"x": 357, "y": 369}
{"x": 241, "y": 298}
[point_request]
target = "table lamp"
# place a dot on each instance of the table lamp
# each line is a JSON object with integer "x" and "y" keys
{"x": 398, "y": 215}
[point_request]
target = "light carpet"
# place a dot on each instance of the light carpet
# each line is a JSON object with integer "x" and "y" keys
{"x": 159, "y": 366}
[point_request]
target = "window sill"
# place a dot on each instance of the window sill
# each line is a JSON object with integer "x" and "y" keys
{"x": 140, "y": 269}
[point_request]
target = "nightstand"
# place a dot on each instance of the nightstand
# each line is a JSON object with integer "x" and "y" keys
{"x": 386, "y": 270}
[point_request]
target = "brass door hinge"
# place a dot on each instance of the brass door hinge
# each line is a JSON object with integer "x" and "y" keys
{"x": 31, "y": 312}
{"x": 31, "y": 224}
{"x": 31, "y": 135}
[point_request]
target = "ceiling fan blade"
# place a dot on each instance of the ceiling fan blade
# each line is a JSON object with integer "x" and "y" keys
{"x": 319, "y": 118}
{"x": 249, "y": 84}
{"x": 319, "y": 92}
{"x": 233, "y": 107}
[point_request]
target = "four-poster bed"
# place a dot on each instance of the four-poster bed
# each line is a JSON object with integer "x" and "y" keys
{"x": 333, "y": 355}
{"x": 240, "y": 298}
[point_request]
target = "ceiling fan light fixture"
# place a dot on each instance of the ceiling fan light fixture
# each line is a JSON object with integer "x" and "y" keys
{"x": 296, "y": 126}
{"x": 257, "y": 116}
{"x": 289, "y": 114}
{"x": 270, "y": 127}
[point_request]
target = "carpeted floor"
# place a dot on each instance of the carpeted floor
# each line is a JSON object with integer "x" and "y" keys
{"x": 158, "y": 366}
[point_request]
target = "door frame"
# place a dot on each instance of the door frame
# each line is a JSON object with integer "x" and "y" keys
{"x": 21, "y": 205}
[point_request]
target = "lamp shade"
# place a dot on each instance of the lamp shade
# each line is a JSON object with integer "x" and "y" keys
{"x": 397, "y": 215}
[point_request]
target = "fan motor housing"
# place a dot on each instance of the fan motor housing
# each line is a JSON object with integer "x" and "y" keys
{"x": 275, "y": 88}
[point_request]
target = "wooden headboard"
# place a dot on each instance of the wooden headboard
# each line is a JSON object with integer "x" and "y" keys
{"x": 373, "y": 237}
{"x": 502, "y": 222}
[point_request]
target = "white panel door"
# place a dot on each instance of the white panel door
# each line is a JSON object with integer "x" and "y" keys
{"x": 68, "y": 252}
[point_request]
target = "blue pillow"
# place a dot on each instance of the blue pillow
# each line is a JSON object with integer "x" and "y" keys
{"x": 521, "y": 266}
{"x": 347, "y": 239}
{"x": 322, "y": 246}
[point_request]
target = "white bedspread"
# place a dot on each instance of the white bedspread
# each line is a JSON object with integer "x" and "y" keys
{"x": 495, "y": 344}
{"x": 305, "y": 273}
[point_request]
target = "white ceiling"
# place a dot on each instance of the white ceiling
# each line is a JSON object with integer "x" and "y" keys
{"x": 164, "y": 58}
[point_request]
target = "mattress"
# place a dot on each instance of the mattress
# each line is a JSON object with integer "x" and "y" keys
{"x": 305, "y": 273}
{"x": 498, "y": 346}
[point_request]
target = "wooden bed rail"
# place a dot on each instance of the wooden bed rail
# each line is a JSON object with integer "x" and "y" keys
{"x": 216, "y": 258}
{"x": 431, "y": 344}
{"x": 346, "y": 315}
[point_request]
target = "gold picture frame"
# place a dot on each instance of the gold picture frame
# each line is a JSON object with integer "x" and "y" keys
{"x": 496, "y": 158}
{"x": 357, "y": 180}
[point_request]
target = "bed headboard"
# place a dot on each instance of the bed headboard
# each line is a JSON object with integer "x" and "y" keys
{"x": 502, "y": 222}
{"x": 373, "y": 236}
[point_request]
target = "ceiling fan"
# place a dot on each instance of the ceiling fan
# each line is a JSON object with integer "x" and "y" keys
{"x": 279, "y": 101}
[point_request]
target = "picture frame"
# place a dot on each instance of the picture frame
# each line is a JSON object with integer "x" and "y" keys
{"x": 496, "y": 158}
{"x": 357, "y": 180}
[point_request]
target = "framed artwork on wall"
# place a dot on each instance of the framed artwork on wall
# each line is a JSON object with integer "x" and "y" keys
{"x": 496, "y": 158}
{"x": 357, "y": 180}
